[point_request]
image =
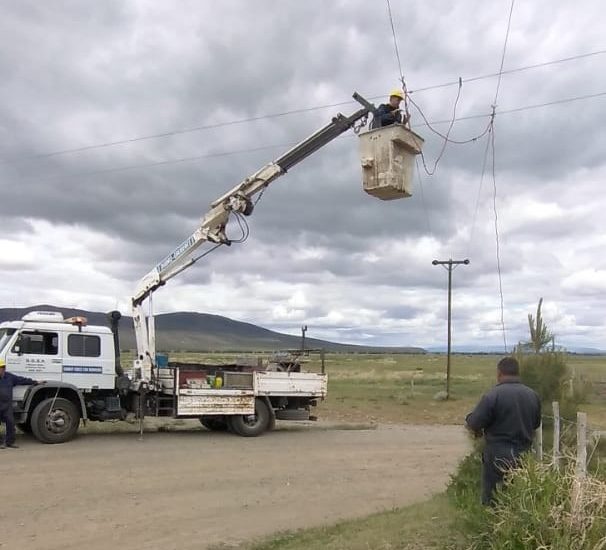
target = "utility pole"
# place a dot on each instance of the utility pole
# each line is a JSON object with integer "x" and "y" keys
{"x": 450, "y": 265}
{"x": 303, "y": 331}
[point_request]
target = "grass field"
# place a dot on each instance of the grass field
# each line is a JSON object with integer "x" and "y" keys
{"x": 381, "y": 388}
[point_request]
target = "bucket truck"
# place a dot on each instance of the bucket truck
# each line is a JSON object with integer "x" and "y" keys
{"x": 80, "y": 364}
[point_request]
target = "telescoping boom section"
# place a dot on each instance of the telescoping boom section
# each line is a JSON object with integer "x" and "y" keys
{"x": 238, "y": 202}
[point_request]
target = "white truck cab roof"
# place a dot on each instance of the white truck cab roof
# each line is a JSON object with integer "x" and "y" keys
{"x": 52, "y": 320}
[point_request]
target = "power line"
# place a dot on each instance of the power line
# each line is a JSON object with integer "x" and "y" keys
{"x": 277, "y": 145}
{"x": 494, "y": 179}
{"x": 505, "y": 42}
{"x": 170, "y": 161}
{"x": 290, "y": 112}
{"x": 425, "y": 210}
{"x": 395, "y": 41}
{"x": 497, "y": 239}
{"x": 475, "y": 213}
{"x": 508, "y": 71}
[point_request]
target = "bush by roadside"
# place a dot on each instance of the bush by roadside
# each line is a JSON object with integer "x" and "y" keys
{"x": 535, "y": 508}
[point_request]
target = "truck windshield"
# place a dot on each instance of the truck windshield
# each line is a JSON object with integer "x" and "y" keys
{"x": 5, "y": 337}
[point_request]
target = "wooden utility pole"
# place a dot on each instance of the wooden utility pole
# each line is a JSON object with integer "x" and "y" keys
{"x": 450, "y": 265}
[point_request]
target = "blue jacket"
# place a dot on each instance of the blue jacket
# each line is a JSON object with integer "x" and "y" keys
{"x": 7, "y": 382}
{"x": 508, "y": 415}
{"x": 385, "y": 116}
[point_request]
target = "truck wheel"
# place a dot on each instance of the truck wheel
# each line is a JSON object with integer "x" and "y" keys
{"x": 58, "y": 425}
{"x": 252, "y": 425}
{"x": 213, "y": 424}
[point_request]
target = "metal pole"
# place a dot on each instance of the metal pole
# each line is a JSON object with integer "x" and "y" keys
{"x": 450, "y": 265}
{"x": 303, "y": 331}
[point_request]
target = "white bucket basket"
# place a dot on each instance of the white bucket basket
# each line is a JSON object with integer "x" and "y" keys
{"x": 388, "y": 157}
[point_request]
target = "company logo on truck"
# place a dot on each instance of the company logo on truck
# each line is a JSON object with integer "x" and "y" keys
{"x": 82, "y": 370}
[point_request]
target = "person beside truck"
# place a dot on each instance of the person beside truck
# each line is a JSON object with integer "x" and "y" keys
{"x": 7, "y": 382}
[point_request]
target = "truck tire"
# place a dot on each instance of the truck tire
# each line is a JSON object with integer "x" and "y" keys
{"x": 252, "y": 425}
{"x": 213, "y": 423}
{"x": 56, "y": 426}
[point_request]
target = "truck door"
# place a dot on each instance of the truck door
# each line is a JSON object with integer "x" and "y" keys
{"x": 35, "y": 354}
{"x": 83, "y": 362}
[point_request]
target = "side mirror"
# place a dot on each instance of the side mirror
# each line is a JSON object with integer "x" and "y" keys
{"x": 17, "y": 347}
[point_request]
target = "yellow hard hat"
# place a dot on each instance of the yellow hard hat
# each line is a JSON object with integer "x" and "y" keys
{"x": 2, "y": 363}
{"x": 397, "y": 93}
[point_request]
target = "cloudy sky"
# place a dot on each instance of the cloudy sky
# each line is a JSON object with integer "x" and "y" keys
{"x": 84, "y": 217}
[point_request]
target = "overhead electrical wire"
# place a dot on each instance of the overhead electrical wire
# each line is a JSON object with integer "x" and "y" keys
{"x": 494, "y": 179}
{"x": 446, "y": 137}
{"x": 286, "y": 113}
{"x": 278, "y": 145}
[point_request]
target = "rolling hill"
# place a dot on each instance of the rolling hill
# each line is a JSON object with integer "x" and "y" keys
{"x": 198, "y": 332}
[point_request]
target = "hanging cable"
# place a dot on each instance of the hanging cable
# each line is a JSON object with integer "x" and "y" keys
{"x": 395, "y": 44}
{"x": 395, "y": 41}
{"x": 446, "y": 136}
{"x": 423, "y": 196}
{"x": 505, "y": 42}
{"x": 497, "y": 239}
{"x": 494, "y": 179}
{"x": 475, "y": 214}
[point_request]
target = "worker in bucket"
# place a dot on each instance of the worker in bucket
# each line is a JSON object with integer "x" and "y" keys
{"x": 390, "y": 113}
{"x": 7, "y": 382}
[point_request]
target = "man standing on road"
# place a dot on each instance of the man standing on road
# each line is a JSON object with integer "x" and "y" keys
{"x": 507, "y": 417}
{"x": 7, "y": 382}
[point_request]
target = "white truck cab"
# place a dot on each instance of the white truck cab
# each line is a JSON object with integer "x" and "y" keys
{"x": 45, "y": 346}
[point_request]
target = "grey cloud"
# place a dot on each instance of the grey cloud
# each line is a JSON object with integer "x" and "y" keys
{"x": 77, "y": 75}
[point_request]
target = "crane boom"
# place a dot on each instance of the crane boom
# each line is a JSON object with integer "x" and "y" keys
{"x": 212, "y": 227}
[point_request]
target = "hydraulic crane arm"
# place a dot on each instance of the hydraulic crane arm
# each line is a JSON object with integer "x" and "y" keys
{"x": 212, "y": 226}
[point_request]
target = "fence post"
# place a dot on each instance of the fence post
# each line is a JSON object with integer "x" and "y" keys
{"x": 556, "y": 435}
{"x": 581, "y": 466}
{"x": 538, "y": 442}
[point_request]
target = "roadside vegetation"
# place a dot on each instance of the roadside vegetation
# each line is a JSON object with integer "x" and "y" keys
{"x": 367, "y": 389}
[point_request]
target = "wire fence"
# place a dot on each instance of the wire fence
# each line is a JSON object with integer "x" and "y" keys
{"x": 567, "y": 440}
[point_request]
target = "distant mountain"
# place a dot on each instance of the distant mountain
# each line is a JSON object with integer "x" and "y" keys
{"x": 198, "y": 332}
{"x": 498, "y": 350}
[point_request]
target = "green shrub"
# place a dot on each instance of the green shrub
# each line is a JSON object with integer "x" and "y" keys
{"x": 546, "y": 373}
{"x": 534, "y": 510}
{"x": 464, "y": 491}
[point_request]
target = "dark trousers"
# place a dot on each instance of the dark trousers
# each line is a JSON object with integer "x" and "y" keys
{"x": 7, "y": 418}
{"x": 496, "y": 461}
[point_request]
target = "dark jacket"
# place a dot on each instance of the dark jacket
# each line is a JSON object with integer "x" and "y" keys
{"x": 7, "y": 382}
{"x": 508, "y": 415}
{"x": 385, "y": 116}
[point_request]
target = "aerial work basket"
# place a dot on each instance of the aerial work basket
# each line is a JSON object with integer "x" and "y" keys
{"x": 388, "y": 155}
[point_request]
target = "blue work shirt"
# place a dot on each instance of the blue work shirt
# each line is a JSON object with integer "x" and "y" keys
{"x": 385, "y": 116}
{"x": 7, "y": 383}
{"x": 507, "y": 415}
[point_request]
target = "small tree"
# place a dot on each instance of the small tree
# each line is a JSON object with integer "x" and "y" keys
{"x": 540, "y": 337}
{"x": 541, "y": 367}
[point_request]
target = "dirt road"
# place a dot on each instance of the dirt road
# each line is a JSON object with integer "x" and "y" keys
{"x": 192, "y": 489}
